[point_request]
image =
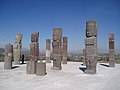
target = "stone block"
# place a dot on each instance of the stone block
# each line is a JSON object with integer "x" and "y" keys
{"x": 41, "y": 68}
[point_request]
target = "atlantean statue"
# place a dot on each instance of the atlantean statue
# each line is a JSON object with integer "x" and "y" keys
{"x": 48, "y": 47}
{"x": 111, "y": 50}
{"x": 91, "y": 47}
{"x": 64, "y": 50}
{"x": 57, "y": 48}
{"x": 17, "y": 48}
{"x": 8, "y": 56}
{"x": 34, "y": 53}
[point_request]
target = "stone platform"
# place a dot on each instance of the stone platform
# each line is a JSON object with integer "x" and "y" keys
{"x": 71, "y": 77}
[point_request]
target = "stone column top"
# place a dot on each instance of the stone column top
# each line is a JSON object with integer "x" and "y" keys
{"x": 35, "y": 37}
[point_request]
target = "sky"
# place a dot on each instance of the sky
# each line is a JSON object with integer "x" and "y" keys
{"x": 27, "y": 16}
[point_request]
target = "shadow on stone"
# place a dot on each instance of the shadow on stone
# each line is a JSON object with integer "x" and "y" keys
{"x": 15, "y": 67}
{"x": 104, "y": 65}
{"x": 82, "y": 69}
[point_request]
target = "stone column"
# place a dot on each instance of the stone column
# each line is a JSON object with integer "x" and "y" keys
{"x": 34, "y": 53}
{"x": 17, "y": 48}
{"x": 111, "y": 50}
{"x": 8, "y": 56}
{"x": 84, "y": 57}
{"x": 91, "y": 47}
{"x": 48, "y": 51}
{"x": 64, "y": 50}
{"x": 57, "y": 48}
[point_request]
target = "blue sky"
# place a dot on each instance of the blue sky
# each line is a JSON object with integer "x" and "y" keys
{"x": 27, "y": 16}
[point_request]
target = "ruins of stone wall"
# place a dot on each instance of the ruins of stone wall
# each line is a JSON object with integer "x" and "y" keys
{"x": 91, "y": 47}
{"x": 57, "y": 48}
{"x": 64, "y": 50}
{"x": 48, "y": 42}
{"x": 8, "y": 56}
{"x": 17, "y": 48}
{"x": 111, "y": 50}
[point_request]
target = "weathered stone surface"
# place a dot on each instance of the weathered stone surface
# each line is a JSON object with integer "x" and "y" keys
{"x": 31, "y": 67}
{"x": 64, "y": 50}
{"x": 41, "y": 68}
{"x": 111, "y": 51}
{"x": 57, "y": 48}
{"x": 91, "y": 47}
{"x": 18, "y": 48}
{"x": 48, "y": 42}
{"x": 8, "y": 56}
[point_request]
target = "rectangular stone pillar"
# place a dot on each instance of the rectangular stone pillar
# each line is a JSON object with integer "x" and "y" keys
{"x": 64, "y": 50}
{"x": 91, "y": 47}
{"x": 8, "y": 56}
{"x": 48, "y": 51}
{"x": 31, "y": 67}
{"x": 57, "y": 48}
{"x": 17, "y": 48}
{"x": 34, "y": 53}
{"x": 111, "y": 50}
{"x": 41, "y": 68}
{"x": 84, "y": 57}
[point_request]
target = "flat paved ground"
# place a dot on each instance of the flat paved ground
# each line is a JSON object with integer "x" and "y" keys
{"x": 71, "y": 77}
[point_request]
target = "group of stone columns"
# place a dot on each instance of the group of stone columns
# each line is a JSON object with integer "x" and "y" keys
{"x": 91, "y": 47}
{"x": 13, "y": 52}
{"x": 59, "y": 51}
